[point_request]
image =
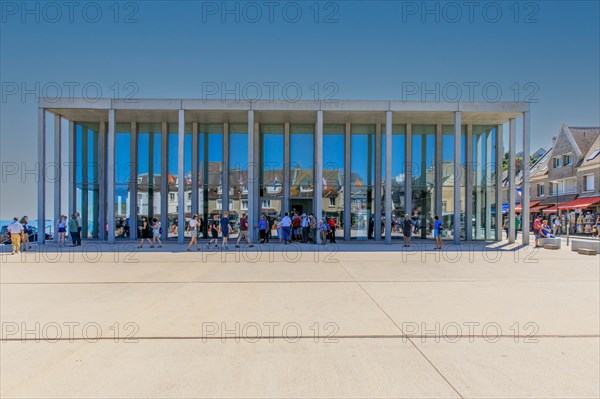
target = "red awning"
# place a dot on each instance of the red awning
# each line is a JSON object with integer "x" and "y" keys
{"x": 581, "y": 203}
{"x": 537, "y": 208}
{"x": 532, "y": 204}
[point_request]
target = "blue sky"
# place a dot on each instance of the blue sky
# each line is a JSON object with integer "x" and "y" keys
{"x": 368, "y": 50}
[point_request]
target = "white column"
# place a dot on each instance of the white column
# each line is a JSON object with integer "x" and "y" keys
{"x": 469, "y": 185}
{"x": 100, "y": 162}
{"x": 41, "y": 200}
{"x": 526, "y": 184}
{"x": 438, "y": 164}
{"x": 511, "y": 178}
{"x": 133, "y": 191}
{"x": 225, "y": 175}
{"x": 252, "y": 176}
{"x": 319, "y": 170}
{"x": 377, "y": 184}
{"x": 181, "y": 177}
{"x": 195, "y": 168}
{"x": 58, "y": 168}
{"x": 164, "y": 181}
{"x": 408, "y": 170}
{"x": 388, "y": 177}
{"x": 488, "y": 186}
{"x": 110, "y": 177}
{"x": 287, "y": 179}
{"x": 348, "y": 182}
{"x": 72, "y": 169}
{"x": 498, "y": 191}
{"x": 457, "y": 175}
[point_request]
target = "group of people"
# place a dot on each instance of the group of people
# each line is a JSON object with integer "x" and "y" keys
{"x": 20, "y": 231}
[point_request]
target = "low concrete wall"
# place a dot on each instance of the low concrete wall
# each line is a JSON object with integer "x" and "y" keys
{"x": 576, "y": 244}
{"x": 553, "y": 241}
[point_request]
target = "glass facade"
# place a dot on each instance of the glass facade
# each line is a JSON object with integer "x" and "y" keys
{"x": 154, "y": 178}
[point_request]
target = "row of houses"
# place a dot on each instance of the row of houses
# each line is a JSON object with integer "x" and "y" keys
{"x": 566, "y": 179}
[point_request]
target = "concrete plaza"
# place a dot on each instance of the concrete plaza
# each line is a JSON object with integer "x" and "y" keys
{"x": 358, "y": 320}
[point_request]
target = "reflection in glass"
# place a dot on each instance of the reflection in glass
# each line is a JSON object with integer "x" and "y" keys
{"x": 122, "y": 180}
{"x": 87, "y": 177}
{"x": 271, "y": 161}
{"x": 362, "y": 163}
{"x": 423, "y": 178}
{"x": 149, "y": 171}
{"x": 398, "y": 166}
{"x": 210, "y": 172}
{"x": 334, "y": 160}
{"x": 238, "y": 173}
{"x": 302, "y": 161}
{"x": 448, "y": 176}
{"x": 483, "y": 180}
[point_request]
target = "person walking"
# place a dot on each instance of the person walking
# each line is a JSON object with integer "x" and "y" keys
{"x": 323, "y": 230}
{"x": 407, "y": 228}
{"x": 193, "y": 229}
{"x": 506, "y": 226}
{"x": 214, "y": 232}
{"x": 286, "y": 225}
{"x": 74, "y": 230}
{"x": 313, "y": 228}
{"x": 225, "y": 227}
{"x": 16, "y": 231}
{"x": 262, "y": 229}
{"x": 61, "y": 228}
{"x": 279, "y": 227}
{"x": 437, "y": 232}
{"x": 156, "y": 230}
{"x": 26, "y": 233}
{"x": 332, "y": 228}
{"x": 243, "y": 235}
{"x": 297, "y": 229}
{"x": 145, "y": 232}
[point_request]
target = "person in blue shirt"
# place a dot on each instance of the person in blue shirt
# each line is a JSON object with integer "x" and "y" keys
{"x": 224, "y": 224}
{"x": 437, "y": 232}
{"x": 262, "y": 229}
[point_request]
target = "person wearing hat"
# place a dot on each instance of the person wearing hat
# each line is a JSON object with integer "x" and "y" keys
{"x": 537, "y": 227}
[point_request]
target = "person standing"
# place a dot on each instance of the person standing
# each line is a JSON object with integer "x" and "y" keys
{"x": 313, "y": 228}
{"x": 557, "y": 226}
{"x": 146, "y": 232}
{"x": 297, "y": 233}
{"x": 279, "y": 230}
{"x": 243, "y": 235}
{"x": 79, "y": 224}
{"x": 305, "y": 224}
{"x": 332, "y": 226}
{"x": 61, "y": 228}
{"x": 437, "y": 232}
{"x": 225, "y": 227}
{"x": 537, "y": 227}
{"x": 193, "y": 229}
{"x": 323, "y": 230}
{"x": 214, "y": 232}
{"x": 407, "y": 228}
{"x": 74, "y": 230}
{"x": 286, "y": 225}
{"x": 16, "y": 232}
{"x": 262, "y": 229}
{"x": 156, "y": 233}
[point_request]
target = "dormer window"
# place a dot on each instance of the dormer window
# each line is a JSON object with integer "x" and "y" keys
{"x": 567, "y": 160}
{"x": 556, "y": 162}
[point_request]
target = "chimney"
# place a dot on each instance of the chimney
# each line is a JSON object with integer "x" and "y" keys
{"x": 553, "y": 141}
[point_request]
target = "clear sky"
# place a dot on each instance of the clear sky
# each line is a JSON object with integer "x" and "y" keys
{"x": 543, "y": 51}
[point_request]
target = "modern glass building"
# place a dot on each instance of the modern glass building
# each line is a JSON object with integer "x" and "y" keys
{"x": 365, "y": 163}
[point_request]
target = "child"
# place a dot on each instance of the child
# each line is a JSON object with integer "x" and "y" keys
{"x": 437, "y": 232}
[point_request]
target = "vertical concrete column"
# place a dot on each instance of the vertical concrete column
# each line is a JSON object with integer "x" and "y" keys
{"x": 104, "y": 169}
{"x": 257, "y": 200}
{"x": 164, "y": 181}
{"x": 498, "y": 188}
{"x": 319, "y": 170}
{"x": 225, "y": 174}
{"x": 469, "y": 185}
{"x": 41, "y": 200}
{"x": 438, "y": 170}
{"x": 488, "y": 187}
{"x": 58, "y": 177}
{"x": 377, "y": 185}
{"x": 408, "y": 171}
{"x": 181, "y": 177}
{"x": 388, "y": 177}
{"x": 110, "y": 175}
{"x": 512, "y": 190}
{"x": 348, "y": 181}
{"x": 457, "y": 174}
{"x": 195, "y": 170}
{"x": 252, "y": 175}
{"x": 72, "y": 169}
{"x": 526, "y": 183}
{"x": 133, "y": 200}
{"x": 479, "y": 184}
{"x": 286, "y": 166}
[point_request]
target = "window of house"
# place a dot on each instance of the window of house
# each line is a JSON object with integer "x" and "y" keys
{"x": 332, "y": 202}
{"x": 219, "y": 204}
{"x": 556, "y": 162}
{"x": 567, "y": 160}
{"x": 244, "y": 205}
{"x": 594, "y": 154}
{"x": 554, "y": 188}
{"x": 171, "y": 196}
{"x": 540, "y": 190}
{"x": 266, "y": 204}
{"x": 588, "y": 183}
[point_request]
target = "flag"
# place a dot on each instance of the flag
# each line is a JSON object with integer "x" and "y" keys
{"x": 325, "y": 185}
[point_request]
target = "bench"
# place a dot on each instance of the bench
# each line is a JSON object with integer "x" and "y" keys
{"x": 586, "y": 244}
{"x": 553, "y": 242}
{"x": 587, "y": 251}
